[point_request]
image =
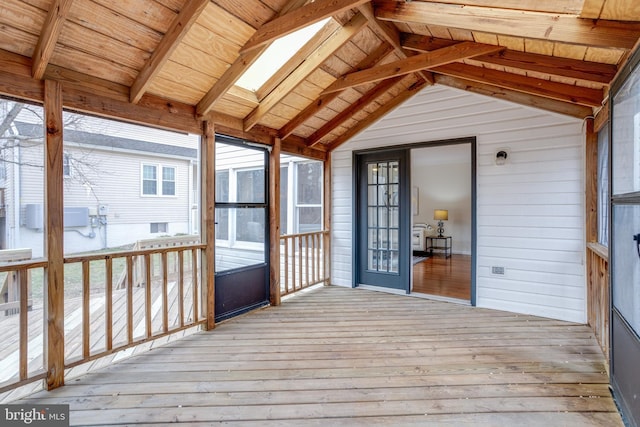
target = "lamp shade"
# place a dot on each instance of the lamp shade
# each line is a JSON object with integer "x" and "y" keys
{"x": 441, "y": 214}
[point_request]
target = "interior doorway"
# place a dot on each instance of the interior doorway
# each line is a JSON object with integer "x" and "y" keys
{"x": 442, "y": 232}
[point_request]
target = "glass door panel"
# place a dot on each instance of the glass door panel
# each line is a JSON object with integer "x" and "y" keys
{"x": 381, "y": 196}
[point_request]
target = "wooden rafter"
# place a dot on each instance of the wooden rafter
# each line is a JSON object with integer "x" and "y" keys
{"x": 298, "y": 18}
{"x": 552, "y": 65}
{"x": 413, "y": 63}
{"x": 533, "y": 25}
{"x": 333, "y": 43}
{"x": 178, "y": 29}
{"x": 553, "y": 6}
{"x": 389, "y": 32}
{"x": 49, "y": 36}
{"x": 235, "y": 71}
{"x": 544, "y": 88}
{"x": 350, "y": 111}
{"x": 382, "y": 51}
{"x": 521, "y": 98}
{"x": 592, "y": 8}
{"x": 372, "y": 118}
{"x": 299, "y": 58}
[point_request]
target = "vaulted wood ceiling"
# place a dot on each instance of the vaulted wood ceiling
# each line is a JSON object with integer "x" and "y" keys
{"x": 184, "y": 57}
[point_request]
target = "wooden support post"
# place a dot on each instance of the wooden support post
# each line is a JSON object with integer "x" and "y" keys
{"x": 274, "y": 223}
{"x": 208, "y": 217}
{"x": 591, "y": 183}
{"x": 326, "y": 246}
{"x": 53, "y": 186}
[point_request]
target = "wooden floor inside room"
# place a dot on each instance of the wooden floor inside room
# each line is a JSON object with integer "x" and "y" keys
{"x": 444, "y": 277}
{"x": 351, "y": 357}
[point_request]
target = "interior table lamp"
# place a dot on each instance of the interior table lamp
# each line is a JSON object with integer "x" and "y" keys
{"x": 441, "y": 215}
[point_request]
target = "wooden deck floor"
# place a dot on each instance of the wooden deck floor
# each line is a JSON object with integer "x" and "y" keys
{"x": 337, "y": 356}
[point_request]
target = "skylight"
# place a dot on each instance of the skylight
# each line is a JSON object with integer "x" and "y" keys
{"x": 276, "y": 56}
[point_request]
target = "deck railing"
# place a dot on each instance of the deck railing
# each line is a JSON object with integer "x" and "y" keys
{"x": 21, "y": 328}
{"x": 113, "y": 301}
{"x": 302, "y": 261}
{"x": 598, "y": 291}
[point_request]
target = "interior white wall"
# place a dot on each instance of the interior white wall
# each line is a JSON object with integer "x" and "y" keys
{"x": 442, "y": 176}
{"x": 530, "y": 212}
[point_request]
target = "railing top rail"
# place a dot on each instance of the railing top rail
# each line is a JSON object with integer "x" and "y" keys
{"x": 600, "y": 250}
{"x": 310, "y": 233}
{"x": 23, "y": 265}
{"x": 123, "y": 254}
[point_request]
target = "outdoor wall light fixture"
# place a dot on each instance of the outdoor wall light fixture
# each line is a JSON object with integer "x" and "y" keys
{"x": 501, "y": 157}
{"x": 440, "y": 215}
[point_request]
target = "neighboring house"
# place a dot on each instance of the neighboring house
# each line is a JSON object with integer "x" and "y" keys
{"x": 118, "y": 189}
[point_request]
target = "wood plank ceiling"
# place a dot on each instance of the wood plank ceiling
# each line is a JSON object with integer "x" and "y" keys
{"x": 559, "y": 55}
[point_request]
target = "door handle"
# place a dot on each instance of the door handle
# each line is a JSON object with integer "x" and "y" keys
{"x": 636, "y": 238}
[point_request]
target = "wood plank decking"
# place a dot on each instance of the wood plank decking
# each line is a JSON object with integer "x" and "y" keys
{"x": 336, "y": 356}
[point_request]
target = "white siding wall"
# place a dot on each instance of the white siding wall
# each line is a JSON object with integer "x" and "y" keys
{"x": 529, "y": 212}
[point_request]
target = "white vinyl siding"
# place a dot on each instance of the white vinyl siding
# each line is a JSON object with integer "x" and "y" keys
{"x": 530, "y": 211}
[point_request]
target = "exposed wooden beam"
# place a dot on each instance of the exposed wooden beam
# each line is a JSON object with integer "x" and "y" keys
{"x": 389, "y": 32}
{"x": 592, "y": 9}
{"x": 552, "y": 65}
{"x": 545, "y": 88}
{"x": 352, "y": 109}
{"x": 54, "y": 232}
{"x": 534, "y": 25}
{"x": 178, "y": 29}
{"x": 297, "y": 19}
{"x": 49, "y": 36}
{"x": 300, "y": 57}
{"x": 521, "y": 98}
{"x": 553, "y": 6}
{"x": 98, "y": 97}
{"x": 313, "y": 61}
{"x": 382, "y": 51}
{"x": 375, "y": 116}
{"x": 235, "y": 71}
{"x": 413, "y": 63}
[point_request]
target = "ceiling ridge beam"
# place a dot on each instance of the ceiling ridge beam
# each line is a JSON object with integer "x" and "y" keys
{"x": 521, "y": 98}
{"x": 297, "y": 19}
{"x": 376, "y": 115}
{"x": 313, "y": 61}
{"x": 235, "y": 70}
{"x": 49, "y": 35}
{"x": 534, "y": 86}
{"x": 558, "y": 66}
{"x": 534, "y": 25}
{"x": 377, "y": 55}
{"x": 414, "y": 63}
{"x": 178, "y": 29}
{"x": 389, "y": 32}
{"x": 364, "y": 100}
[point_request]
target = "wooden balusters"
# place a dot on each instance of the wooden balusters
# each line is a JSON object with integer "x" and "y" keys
{"x": 302, "y": 263}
